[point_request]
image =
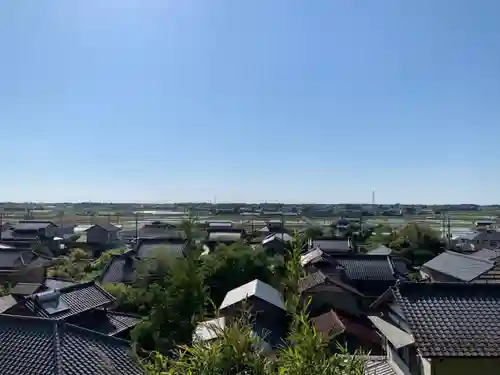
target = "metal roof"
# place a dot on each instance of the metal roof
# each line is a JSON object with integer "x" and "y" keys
{"x": 460, "y": 266}
{"x": 255, "y": 288}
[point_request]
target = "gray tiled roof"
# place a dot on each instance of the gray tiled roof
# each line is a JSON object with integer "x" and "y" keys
{"x": 460, "y": 266}
{"x": 15, "y": 258}
{"x": 108, "y": 322}
{"x": 371, "y": 267}
{"x": 121, "y": 269}
{"x": 79, "y": 298}
{"x": 452, "y": 319}
{"x": 35, "y": 346}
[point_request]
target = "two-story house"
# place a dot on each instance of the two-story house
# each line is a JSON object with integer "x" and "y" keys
{"x": 440, "y": 328}
{"x": 267, "y": 309}
{"x": 105, "y": 234}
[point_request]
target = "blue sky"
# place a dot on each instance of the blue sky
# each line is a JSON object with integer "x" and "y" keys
{"x": 250, "y": 100}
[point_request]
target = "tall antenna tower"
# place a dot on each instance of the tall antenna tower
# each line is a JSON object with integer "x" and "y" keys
{"x": 373, "y": 197}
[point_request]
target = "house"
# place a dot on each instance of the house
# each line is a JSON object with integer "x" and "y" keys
{"x": 333, "y": 245}
{"x": 17, "y": 265}
{"x": 102, "y": 234}
{"x": 266, "y": 306}
{"x": 344, "y": 306}
{"x": 120, "y": 269}
{"x": 488, "y": 239}
{"x": 27, "y": 233}
{"x": 156, "y": 246}
{"x": 38, "y": 346}
{"x": 84, "y": 304}
{"x": 441, "y": 328}
{"x": 480, "y": 267}
{"x": 277, "y": 243}
{"x": 370, "y": 274}
{"x": 273, "y": 226}
{"x": 226, "y": 238}
{"x": 41, "y": 228}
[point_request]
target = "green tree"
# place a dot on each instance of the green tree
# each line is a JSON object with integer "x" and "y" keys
{"x": 177, "y": 305}
{"x": 232, "y": 266}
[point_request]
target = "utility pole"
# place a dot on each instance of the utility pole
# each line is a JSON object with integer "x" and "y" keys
{"x": 136, "y": 214}
{"x": 1, "y": 223}
{"x": 449, "y": 232}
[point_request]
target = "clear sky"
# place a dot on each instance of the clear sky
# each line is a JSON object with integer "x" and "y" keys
{"x": 250, "y": 100}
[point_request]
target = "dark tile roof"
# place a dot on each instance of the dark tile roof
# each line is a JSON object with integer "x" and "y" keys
{"x": 25, "y": 289}
{"x": 121, "y": 269}
{"x": 32, "y": 225}
{"x": 158, "y": 247}
{"x": 460, "y": 266}
{"x": 107, "y": 226}
{"x": 328, "y": 323}
{"x": 71, "y": 300}
{"x": 15, "y": 258}
{"x": 332, "y": 245}
{"x": 317, "y": 277}
{"x": 310, "y": 281}
{"x": 11, "y": 235}
{"x": 35, "y": 346}
{"x": 371, "y": 267}
{"x": 452, "y": 319}
{"x": 108, "y": 322}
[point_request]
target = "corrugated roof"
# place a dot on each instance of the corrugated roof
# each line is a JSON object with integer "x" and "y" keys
{"x": 209, "y": 329}
{"x": 378, "y": 366}
{"x": 396, "y": 336}
{"x": 255, "y": 288}
{"x": 460, "y": 266}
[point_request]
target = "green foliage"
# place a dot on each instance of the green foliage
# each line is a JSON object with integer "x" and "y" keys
{"x": 416, "y": 242}
{"x": 105, "y": 258}
{"x": 231, "y": 266}
{"x": 312, "y": 233}
{"x": 4, "y": 290}
{"x": 237, "y": 351}
{"x": 130, "y": 298}
{"x": 177, "y": 305}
